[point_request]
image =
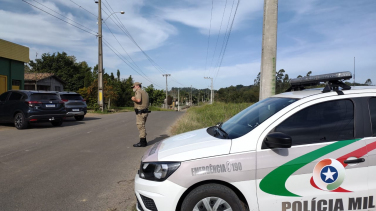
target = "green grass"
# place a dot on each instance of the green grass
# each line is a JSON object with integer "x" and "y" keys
{"x": 207, "y": 115}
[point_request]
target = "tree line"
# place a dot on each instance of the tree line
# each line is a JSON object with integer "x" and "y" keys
{"x": 249, "y": 94}
{"x": 81, "y": 78}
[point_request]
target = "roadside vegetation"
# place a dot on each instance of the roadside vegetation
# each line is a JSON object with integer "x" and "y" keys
{"x": 207, "y": 115}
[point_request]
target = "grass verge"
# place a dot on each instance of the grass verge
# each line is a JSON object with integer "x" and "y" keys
{"x": 206, "y": 115}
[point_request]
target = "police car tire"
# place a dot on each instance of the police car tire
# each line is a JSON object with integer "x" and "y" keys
{"x": 212, "y": 190}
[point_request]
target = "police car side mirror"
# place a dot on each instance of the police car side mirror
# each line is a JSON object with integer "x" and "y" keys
{"x": 278, "y": 140}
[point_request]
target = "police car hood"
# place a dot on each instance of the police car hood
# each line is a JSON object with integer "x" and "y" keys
{"x": 188, "y": 146}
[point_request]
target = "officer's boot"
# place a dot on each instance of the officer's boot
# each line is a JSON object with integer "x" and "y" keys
{"x": 142, "y": 143}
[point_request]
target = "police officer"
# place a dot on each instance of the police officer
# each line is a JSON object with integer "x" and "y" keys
{"x": 141, "y": 105}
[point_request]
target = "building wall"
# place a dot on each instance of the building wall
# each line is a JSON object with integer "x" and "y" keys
{"x": 51, "y": 82}
{"x": 14, "y": 51}
{"x": 47, "y": 84}
{"x": 14, "y": 71}
{"x": 12, "y": 59}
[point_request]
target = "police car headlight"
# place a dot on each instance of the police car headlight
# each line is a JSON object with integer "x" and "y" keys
{"x": 158, "y": 171}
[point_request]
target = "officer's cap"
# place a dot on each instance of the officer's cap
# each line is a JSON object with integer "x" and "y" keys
{"x": 136, "y": 84}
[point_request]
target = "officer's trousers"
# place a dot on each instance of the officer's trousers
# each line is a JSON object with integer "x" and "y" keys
{"x": 140, "y": 121}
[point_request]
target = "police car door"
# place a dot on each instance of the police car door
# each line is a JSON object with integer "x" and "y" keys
{"x": 371, "y": 147}
{"x": 315, "y": 173}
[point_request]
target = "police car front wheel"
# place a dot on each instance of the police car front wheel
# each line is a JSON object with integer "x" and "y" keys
{"x": 212, "y": 197}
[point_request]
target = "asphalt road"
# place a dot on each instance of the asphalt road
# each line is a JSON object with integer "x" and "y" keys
{"x": 87, "y": 165}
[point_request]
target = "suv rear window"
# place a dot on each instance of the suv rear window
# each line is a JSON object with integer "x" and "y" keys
{"x": 71, "y": 97}
{"x": 44, "y": 96}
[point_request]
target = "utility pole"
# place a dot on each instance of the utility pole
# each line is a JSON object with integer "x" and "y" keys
{"x": 354, "y": 71}
{"x": 269, "y": 49}
{"x": 178, "y": 99}
{"x": 166, "y": 86}
{"x": 211, "y": 93}
{"x": 36, "y": 68}
{"x": 100, "y": 57}
{"x": 191, "y": 96}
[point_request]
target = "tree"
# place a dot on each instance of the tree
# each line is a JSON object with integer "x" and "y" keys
{"x": 279, "y": 80}
{"x": 112, "y": 76}
{"x": 88, "y": 79}
{"x": 156, "y": 97}
{"x": 118, "y": 75}
{"x": 91, "y": 93}
{"x": 368, "y": 82}
{"x": 63, "y": 66}
{"x": 256, "y": 82}
{"x": 309, "y": 73}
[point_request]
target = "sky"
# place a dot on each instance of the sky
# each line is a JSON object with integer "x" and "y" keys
{"x": 193, "y": 39}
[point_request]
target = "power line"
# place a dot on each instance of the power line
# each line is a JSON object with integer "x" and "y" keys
{"x": 59, "y": 18}
{"x": 111, "y": 48}
{"x": 136, "y": 66}
{"x": 117, "y": 54}
{"x": 64, "y": 16}
{"x": 125, "y": 30}
{"x": 84, "y": 9}
{"x": 106, "y": 43}
{"x": 207, "y": 49}
{"x": 132, "y": 61}
{"x": 225, "y": 36}
{"x": 228, "y": 37}
{"x": 220, "y": 28}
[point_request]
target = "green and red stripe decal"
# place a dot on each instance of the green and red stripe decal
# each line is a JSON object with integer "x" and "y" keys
{"x": 274, "y": 182}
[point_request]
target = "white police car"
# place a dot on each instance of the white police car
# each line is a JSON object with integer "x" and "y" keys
{"x": 310, "y": 150}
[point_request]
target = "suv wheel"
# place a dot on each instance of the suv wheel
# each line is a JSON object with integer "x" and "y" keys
{"x": 79, "y": 118}
{"x": 57, "y": 123}
{"x": 212, "y": 197}
{"x": 20, "y": 121}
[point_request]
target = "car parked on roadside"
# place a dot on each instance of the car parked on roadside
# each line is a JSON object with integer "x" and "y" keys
{"x": 75, "y": 105}
{"x": 305, "y": 149}
{"x": 22, "y": 107}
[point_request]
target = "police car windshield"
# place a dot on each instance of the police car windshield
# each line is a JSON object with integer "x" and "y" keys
{"x": 251, "y": 117}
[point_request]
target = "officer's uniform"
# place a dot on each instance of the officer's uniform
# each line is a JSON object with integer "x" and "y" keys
{"x": 141, "y": 111}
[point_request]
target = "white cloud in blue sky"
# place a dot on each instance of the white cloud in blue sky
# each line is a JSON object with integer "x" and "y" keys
{"x": 313, "y": 35}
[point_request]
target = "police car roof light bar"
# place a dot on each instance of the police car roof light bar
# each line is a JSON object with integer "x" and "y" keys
{"x": 333, "y": 81}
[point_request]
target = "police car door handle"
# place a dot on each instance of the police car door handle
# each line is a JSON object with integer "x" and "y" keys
{"x": 359, "y": 160}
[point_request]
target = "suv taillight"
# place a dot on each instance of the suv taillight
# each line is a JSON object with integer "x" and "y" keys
{"x": 64, "y": 100}
{"x": 32, "y": 103}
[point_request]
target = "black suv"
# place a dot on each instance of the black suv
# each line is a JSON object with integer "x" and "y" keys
{"x": 74, "y": 104}
{"x": 22, "y": 107}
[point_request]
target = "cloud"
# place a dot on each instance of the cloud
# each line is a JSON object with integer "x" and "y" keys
{"x": 321, "y": 36}
{"x": 197, "y": 14}
{"x": 34, "y": 27}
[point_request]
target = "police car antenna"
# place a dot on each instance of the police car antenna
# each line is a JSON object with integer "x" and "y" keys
{"x": 332, "y": 82}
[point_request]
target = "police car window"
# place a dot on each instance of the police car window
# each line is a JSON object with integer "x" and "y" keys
{"x": 329, "y": 121}
{"x": 372, "y": 108}
{"x": 15, "y": 96}
{"x": 251, "y": 117}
